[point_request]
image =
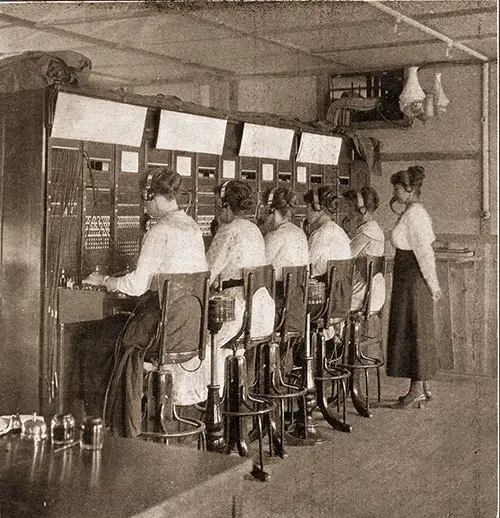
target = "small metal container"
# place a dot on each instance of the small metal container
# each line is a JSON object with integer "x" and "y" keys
{"x": 92, "y": 434}
{"x": 63, "y": 429}
{"x": 34, "y": 428}
{"x": 316, "y": 293}
{"x": 221, "y": 309}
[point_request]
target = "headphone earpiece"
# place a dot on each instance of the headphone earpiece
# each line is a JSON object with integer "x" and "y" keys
{"x": 361, "y": 203}
{"x": 223, "y": 190}
{"x": 316, "y": 204}
{"x": 147, "y": 193}
{"x": 271, "y": 197}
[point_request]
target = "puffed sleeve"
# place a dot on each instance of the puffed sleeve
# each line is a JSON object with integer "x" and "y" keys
{"x": 218, "y": 253}
{"x": 137, "y": 282}
{"x": 319, "y": 254}
{"x": 273, "y": 247}
{"x": 358, "y": 243}
{"x": 420, "y": 237}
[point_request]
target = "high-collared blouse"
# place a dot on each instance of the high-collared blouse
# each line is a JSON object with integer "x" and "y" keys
{"x": 173, "y": 245}
{"x": 413, "y": 231}
{"x": 286, "y": 246}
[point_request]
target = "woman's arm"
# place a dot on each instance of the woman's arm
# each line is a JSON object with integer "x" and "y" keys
{"x": 137, "y": 282}
{"x": 218, "y": 253}
{"x": 420, "y": 238}
{"x": 273, "y": 247}
{"x": 427, "y": 263}
{"x": 358, "y": 243}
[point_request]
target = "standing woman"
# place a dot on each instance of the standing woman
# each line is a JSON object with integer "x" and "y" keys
{"x": 411, "y": 346}
{"x": 238, "y": 244}
{"x": 327, "y": 240}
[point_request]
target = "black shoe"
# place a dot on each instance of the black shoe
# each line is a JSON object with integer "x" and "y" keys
{"x": 405, "y": 402}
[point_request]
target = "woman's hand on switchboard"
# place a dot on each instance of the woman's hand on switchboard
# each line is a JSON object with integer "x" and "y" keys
{"x": 95, "y": 279}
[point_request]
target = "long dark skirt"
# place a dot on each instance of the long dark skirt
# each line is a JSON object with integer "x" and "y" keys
{"x": 107, "y": 361}
{"x": 411, "y": 343}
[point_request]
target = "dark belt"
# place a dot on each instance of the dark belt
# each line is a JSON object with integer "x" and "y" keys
{"x": 232, "y": 283}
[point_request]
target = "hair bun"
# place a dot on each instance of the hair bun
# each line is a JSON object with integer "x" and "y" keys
{"x": 417, "y": 173}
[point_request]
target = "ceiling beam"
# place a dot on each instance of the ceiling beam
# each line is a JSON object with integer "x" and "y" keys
{"x": 405, "y": 43}
{"x": 410, "y": 21}
{"x": 266, "y": 39}
{"x": 21, "y": 22}
{"x": 374, "y": 21}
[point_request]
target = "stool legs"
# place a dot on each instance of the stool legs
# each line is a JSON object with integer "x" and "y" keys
{"x": 305, "y": 427}
{"x": 213, "y": 417}
{"x": 362, "y": 407}
{"x": 334, "y": 375}
{"x": 239, "y": 405}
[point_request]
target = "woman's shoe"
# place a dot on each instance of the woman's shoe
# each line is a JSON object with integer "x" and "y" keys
{"x": 427, "y": 391}
{"x": 406, "y": 402}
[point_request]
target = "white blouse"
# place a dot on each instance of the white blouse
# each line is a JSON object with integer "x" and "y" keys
{"x": 173, "y": 245}
{"x": 286, "y": 246}
{"x": 236, "y": 245}
{"x": 327, "y": 242}
{"x": 368, "y": 239}
{"x": 413, "y": 231}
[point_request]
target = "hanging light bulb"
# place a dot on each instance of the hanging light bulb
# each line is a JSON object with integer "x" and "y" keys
{"x": 411, "y": 100}
{"x": 440, "y": 100}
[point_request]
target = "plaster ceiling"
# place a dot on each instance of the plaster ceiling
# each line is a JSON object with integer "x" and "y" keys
{"x": 147, "y": 43}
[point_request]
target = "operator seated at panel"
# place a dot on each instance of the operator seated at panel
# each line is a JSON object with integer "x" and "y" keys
{"x": 173, "y": 245}
{"x": 237, "y": 244}
{"x": 327, "y": 240}
{"x": 286, "y": 243}
{"x": 368, "y": 240}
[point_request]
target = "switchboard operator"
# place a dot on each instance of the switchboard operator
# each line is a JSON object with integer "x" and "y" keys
{"x": 173, "y": 245}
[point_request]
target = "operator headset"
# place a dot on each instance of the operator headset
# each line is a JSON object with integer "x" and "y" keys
{"x": 360, "y": 203}
{"x": 223, "y": 193}
{"x": 270, "y": 199}
{"x": 316, "y": 204}
{"x": 147, "y": 193}
{"x": 394, "y": 200}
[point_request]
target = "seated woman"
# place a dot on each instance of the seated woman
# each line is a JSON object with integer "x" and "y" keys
{"x": 237, "y": 244}
{"x": 327, "y": 240}
{"x": 368, "y": 240}
{"x": 286, "y": 243}
{"x": 173, "y": 245}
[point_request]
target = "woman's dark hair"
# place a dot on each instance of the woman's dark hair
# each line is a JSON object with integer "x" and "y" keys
{"x": 284, "y": 200}
{"x": 164, "y": 182}
{"x": 369, "y": 195}
{"x": 238, "y": 195}
{"x": 325, "y": 197}
{"x": 411, "y": 178}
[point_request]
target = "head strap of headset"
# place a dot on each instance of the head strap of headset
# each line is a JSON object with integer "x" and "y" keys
{"x": 361, "y": 203}
{"x": 223, "y": 190}
{"x": 147, "y": 193}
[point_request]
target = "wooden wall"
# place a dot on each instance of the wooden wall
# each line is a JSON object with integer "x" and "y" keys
{"x": 21, "y": 222}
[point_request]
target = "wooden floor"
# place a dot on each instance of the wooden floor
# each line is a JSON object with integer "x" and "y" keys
{"x": 436, "y": 462}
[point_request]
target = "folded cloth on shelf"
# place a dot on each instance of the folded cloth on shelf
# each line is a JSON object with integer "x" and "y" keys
{"x": 34, "y": 70}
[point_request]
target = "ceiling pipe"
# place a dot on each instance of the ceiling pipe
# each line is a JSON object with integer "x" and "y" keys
{"x": 485, "y": 137}
{"x": 410, "y": 21}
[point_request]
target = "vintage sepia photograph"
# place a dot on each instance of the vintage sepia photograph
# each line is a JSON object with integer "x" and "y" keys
{"x": 249, "y": 259}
